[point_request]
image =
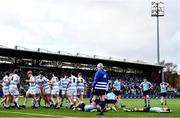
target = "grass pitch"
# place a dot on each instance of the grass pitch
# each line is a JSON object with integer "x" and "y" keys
{"x": 173, "y": 104}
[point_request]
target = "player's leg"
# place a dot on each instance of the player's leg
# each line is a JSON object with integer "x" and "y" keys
{"x": 58, "y": 99}
{"x": 148, "y": 100}
{"x": 67, "y": 100}
{"x": 162, "y": 100}
{"x": 52, "y": 97}
{"x": 165, "y": 100}
{"x": 70, "y": 97}
{"x": 25, "y": 99}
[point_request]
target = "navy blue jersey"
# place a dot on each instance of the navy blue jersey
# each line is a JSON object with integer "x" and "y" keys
{"x": 100, "y": 80}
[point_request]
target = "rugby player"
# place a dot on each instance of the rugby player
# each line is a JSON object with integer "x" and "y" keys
{"x": 99, "y": 86}
{"x": 146, "y": 86}
{"x": 13, "y": 88}
{"x": 31, "y": 90}
{"x": 80, "y": 87}
{"x": 164, "y": 90}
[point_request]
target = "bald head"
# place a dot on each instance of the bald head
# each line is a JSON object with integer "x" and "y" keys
{"x": 100, "y": 65}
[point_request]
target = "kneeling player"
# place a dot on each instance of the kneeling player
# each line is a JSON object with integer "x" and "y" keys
{"x": 111, "y": 99}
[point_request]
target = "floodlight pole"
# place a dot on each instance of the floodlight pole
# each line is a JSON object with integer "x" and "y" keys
{"x": 158, "y": 50}
{"x": 156, "y": 9}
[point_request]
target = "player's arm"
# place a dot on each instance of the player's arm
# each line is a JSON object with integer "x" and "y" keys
{"x": 96, "y": 79}
{"x": 140, "y": 86}
{"x": 151, "y": 86}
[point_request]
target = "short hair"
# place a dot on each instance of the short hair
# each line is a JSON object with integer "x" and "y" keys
{"x": 80, "y": 74}
{"x": 15, "y": 71}
{"x": 73, "y": 72}
{"x": 6, "y": 73}
{"x": 100, "y": 65}
{"x": 29, "y": 72}
{"x": 42, "y": 73}
{"x": 55, "y": 74}
{"x": 65, "y": 74}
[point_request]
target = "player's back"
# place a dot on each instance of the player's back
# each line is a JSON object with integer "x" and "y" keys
{"x": 32, "y": 84}
{"x": 64, "y": 83}
{"x": 81, "y": 83}
{"x": 101, "y": 80}
{"x": 45, "y": 82}
{"x": 14, "y": 81}
{"x": 110, "y": 96}
{"x": 5, "y": 83}
{"x": 55, "y": 82}
{"x": 73, "y": 82}
{"x": 117, "y": 85}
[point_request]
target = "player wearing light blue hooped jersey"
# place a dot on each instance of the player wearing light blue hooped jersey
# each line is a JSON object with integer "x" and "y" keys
{"x": 64, "y": 83}
{"x": 46, "y": 87}
{"x": 31, "y": 91}
{"x": 72, "y": 89}
{"x": 32, "y": 85}
{"x": 55, "y": 85}
{"x": 38, "y": 80}
{"x": 81, "y": 84}
{"x": 13, "y": 89}
{"x": 55, "y": 91}
{"x": 5, "y": 89}
{"x": 5, "y": 85}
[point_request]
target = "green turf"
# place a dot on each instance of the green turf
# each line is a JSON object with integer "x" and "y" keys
{"x": 173, "y": 104}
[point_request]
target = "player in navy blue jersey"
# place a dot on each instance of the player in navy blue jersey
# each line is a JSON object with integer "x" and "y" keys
{"x": 99, "y": 86}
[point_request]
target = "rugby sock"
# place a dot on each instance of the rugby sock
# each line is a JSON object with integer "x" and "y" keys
{"x": 16, "y": 101}
{"x": 102, "y": 104}
{"x": 161, "y": 101}
{"x": 66, "y": 103}
{"x": 53, "y": 101}
{"x": 145, "y": 102}
{"x": 24, "y": 103}
{"x": 148, "y": 102}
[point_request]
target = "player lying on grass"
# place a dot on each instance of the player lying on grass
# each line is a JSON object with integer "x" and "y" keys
{"x": 149, "y": 109}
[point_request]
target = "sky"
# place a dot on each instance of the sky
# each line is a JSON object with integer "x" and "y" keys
{"x": 121, "y": 29}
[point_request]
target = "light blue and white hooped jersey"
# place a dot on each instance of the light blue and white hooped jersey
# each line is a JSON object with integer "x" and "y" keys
{"x": 81, "y": 83}
{"x": 45, "y": 82}
{"x": 55, "y": 82}
{"x": 73, "y": 83}
{"x": 32, "y": 84}
{"x": 64, "y": 83}
{"x": 38, "y": 80}
{"x": 14, "y": 81}
{"x": 6, "y": 81}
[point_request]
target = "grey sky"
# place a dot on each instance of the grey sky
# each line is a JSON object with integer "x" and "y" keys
{"x": 116, "y": 28}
